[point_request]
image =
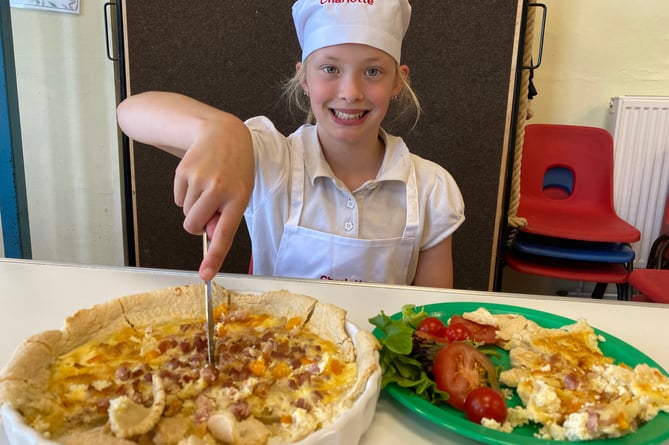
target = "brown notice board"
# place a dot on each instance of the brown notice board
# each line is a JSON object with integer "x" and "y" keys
{"x": 234, "y": 55}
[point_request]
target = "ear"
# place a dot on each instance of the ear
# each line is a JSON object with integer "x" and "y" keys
{"x": 399, "y": 85}
{"x": 298, "y": 67}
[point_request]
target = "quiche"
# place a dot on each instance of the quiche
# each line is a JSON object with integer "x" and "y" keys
{"x": 135, "y": 370}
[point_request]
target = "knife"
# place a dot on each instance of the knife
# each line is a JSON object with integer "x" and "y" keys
{"x": 209, "y": 310}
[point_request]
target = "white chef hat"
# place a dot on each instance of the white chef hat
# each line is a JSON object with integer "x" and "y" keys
{"x": 381, "y": 24}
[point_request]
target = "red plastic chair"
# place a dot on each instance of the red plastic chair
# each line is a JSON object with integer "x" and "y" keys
{"x": 553, "y": 153}
{"x": 653, "y": 282}
{"x": 653, "y": 285}
{"x": 566, "y": 193}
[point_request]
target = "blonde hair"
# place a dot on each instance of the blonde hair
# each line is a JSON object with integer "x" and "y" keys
{"x": 404, "y": 103}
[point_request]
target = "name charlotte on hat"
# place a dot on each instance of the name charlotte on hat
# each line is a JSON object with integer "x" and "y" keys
{"x": 381, "y": 24}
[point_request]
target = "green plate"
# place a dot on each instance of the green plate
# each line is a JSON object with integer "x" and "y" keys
{"x": 654, "y": 432}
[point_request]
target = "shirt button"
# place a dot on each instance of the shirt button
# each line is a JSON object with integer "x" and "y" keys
{"x": 348, "y": 226}
{"x": 350, "y": 203}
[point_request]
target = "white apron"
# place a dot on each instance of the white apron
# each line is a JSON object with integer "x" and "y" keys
{"x": 308, "y": 253}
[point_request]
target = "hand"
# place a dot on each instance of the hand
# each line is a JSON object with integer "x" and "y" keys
{"x": 214, "y": 180}
{"x": 213, "y": 183}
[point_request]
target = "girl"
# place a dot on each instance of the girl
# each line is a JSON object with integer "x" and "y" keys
{"x": 337, "y": 199}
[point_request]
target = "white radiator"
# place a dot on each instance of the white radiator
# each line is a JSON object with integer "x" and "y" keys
{"x": 640, "y": 129}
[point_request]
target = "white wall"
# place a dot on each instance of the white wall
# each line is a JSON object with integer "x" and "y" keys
{"x": 70, "y": 143}
{"x": 598, "y": 49}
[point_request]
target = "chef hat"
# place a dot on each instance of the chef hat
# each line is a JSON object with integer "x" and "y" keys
{"x": 378, "y": 23}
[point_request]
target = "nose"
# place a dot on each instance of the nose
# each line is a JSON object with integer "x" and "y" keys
{"x": 350, "y": 89}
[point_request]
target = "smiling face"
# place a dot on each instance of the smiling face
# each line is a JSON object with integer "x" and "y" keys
{"x": 350, "y": 87}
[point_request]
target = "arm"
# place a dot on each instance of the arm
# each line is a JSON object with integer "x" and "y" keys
{"x": 214, "y": 180}
{"x": 435, "y": 266}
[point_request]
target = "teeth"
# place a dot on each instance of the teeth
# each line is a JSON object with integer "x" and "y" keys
{"x": 347, "y": 116}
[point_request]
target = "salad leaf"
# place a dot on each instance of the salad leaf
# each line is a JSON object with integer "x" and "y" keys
{"x": 398, "y": 335}
{"x": 395, "y": 356}
{"x": 412, "y": 318}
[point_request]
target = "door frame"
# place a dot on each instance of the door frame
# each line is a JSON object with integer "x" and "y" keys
{"x": 13, "y": 197}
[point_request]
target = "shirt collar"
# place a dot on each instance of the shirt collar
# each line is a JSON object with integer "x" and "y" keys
{"x": 395, "y": 165}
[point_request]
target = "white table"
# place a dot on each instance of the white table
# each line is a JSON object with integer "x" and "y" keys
{"x": 38, "y": 296}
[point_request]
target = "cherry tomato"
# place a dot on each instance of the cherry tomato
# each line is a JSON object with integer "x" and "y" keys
{"x": 485, "y": 402}
{"x": 432, "y": 326}
{"x": 459, "y": 368}
{"x": 457, "y": 332}
{"x": 480, "y": 332}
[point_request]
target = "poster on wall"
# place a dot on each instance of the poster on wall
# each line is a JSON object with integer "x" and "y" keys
{"x": 70, "y": 6}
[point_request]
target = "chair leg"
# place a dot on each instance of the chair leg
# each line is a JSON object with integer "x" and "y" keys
{"x": 657, "y": 259}
{"x": 623, "y": 291}
{"x": 598, "y": 291}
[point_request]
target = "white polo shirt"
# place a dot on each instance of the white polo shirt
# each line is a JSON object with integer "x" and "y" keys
{"x": 376, "y": 210}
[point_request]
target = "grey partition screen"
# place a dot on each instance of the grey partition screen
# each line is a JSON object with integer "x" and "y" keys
{"x": 234, "y": 55}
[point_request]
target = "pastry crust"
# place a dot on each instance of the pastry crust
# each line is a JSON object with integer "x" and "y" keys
{"x": 24, "y": 382}
{"x": 279, "y": 303}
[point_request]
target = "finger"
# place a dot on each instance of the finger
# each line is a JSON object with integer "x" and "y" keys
{"x": 221, "y": 241}
{"x": 188, "y": 187}
{"x": 180, "y": 188}
{"x": 192, "y": 198}
{"x": 211, "y": 225}
{"x": 199, "y": 214}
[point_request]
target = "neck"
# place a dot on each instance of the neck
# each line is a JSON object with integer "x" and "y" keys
{"x": 355, "y": 165}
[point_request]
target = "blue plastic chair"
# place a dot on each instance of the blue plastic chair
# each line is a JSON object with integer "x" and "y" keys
{"x": 609, "y": 262}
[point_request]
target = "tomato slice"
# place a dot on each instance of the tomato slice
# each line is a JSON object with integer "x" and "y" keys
{"x": 459, "y": 368}
{"x": 480, "y": 332}
{"x": 485, "y": 402}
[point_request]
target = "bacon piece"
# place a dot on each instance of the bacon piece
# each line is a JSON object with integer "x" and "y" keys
{"x": 185, "y": 346}
{"x": 203, "y": 408}
{"x": 302, "y": 403}
{"x": 313, "y": 369}
{"x": 261, "y": 389}
{"x": 593, "y": 422}
{"x": 209, "y": 373}
{"x": 571, "y": 381}
{"x": 122, "y": 373}
{"x": 241, "y": 410}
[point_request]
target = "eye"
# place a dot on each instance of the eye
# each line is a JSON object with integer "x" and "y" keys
{"x": 329, "y": 69}
{"x": 372, "y": 72}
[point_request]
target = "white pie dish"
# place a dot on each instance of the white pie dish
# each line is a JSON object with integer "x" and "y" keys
{"x": 346, "y": 430}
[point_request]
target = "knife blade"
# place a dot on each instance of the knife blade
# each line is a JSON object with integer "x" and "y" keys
{"x": 209, "y": 309}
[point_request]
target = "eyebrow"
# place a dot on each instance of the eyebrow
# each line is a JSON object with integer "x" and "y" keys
{"x": 364, "y": 61}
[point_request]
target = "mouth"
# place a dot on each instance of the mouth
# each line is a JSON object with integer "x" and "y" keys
{"x": 342, "y": 115}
